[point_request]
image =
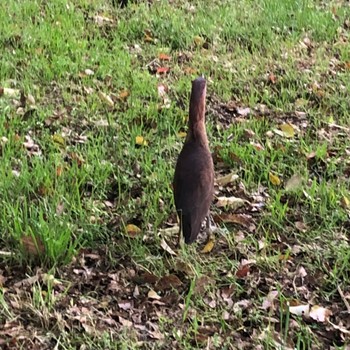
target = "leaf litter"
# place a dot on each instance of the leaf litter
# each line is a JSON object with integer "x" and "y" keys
{"x": 236, "y": 291}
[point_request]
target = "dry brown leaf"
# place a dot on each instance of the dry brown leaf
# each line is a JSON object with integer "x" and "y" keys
{"x": 146, "y": 278}
{"x": 257, "y": 146}
{"x": 163, "y": 70}
{"x": 224, "y": 180}
{"x": 243, "y": 271}
{"x": 301, "y": 226}
{"x": 189, "y": 70}
{"x": 164, "y": 57}
{"x": 202, "y": 284}
{"x": 166, "y": 247}
{"x": 59, "y": 171}
{"x": 124, "y": 322}
{"x": 240, "y": 219}
{"x": 168, "y": 282}
{"x": 319, "y": 313}
{"x": 33, "y": 245}
{"x": 269, "y": 300}
{"x": 106, "y": 98}
{"x": 123, "y": 95}
{"x": 153, "y": 295}
{"x": 230, "y": 202}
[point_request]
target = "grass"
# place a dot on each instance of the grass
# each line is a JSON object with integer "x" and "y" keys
{"x": 74, "y": 177}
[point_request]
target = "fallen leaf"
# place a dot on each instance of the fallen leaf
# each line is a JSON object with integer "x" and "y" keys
{"x": 249, "y": 134}
{"x": 162, "y": 92}
{"x": 163, "y": 70}
{"x": 208, "y": 247}
{"x": 132, "y": 230}
{"x": 146, "y": 278}
{"x": 243, "y": 271}
{"x": 287, "y": 130}
{"x": 148, "y": 36}
{"x": 166, "y": 247}
{"x": 89, "y": 71}
{"x": 274, "y": 179}
{"x": 243, "y": 111}
{"x": 341, "y": 329}
{"x": 311, "y": 155}
{"x": 189, "y": 70}
{"x": 164, "y": 57}
{"x": 257, "y": 146}
{"x": 270, "y": 298}
{"x": 33, "y": 245}
{"x": 230, "y": 202}
{"x": 106, "y": 98}
{"x": 272, "y": 78}
{"x": 153, "y": 295}
{"x": 182, "y": 134}
{"x": 101, "y": 20}
{"x": 294, "y": 183}
{"x": 168, "y": 282}
{"x": 224, "y": 180}
{"x": 123, "y": 95}
{"x": 124, "y": 305}
{"x": 202, "y": 284}
{"x": 345, "y": 202}
{"x": 240, "y": 219}
{"x": 30, "y": 99}
{"x": 59, "y": 171}
{"x": 301, "y": 226}
{"x": 74, "y": 156}
{"x": 59, "y": 208}
{"x": 124, "y": 322}
{"x": 10, "y": 92}
{"x": 319, "y": 313}
{"x": 59, "y": 140}
{"x": 139, "y": 140}
{"x": 199, "y": 41}
{"x": 300, "y": 310}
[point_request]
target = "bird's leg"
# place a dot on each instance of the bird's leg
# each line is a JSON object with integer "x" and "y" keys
{"x": 178, "y": 244}
{"x": 208, "y": 229}
{"x": 179, "y": 238}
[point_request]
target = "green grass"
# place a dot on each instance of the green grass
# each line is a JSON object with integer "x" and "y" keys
{"x": 88, "y": 178}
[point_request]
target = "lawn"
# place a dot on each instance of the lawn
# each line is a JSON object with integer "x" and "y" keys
{"x": 93, "y": 114}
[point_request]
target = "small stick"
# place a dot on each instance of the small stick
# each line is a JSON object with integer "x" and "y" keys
{"x": 344, "y": 299}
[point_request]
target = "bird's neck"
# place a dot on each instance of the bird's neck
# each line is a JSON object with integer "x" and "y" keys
{"x": 196, "y": 123}
{"x": 197, "y": 132}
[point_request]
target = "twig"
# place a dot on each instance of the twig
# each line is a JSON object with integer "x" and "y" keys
{"x": 2, "y": 252}
{"x": 344, "y": 299}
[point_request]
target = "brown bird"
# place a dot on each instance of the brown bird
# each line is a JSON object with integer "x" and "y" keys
{"x": 194, "y": 173}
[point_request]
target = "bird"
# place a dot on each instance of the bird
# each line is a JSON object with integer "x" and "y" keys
{"x": 193, "y": 184}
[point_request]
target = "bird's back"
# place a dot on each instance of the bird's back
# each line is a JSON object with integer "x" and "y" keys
{"x": 193, "y": 187}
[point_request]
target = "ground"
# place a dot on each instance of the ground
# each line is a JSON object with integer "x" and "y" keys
{"x": 94, "y": 107}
